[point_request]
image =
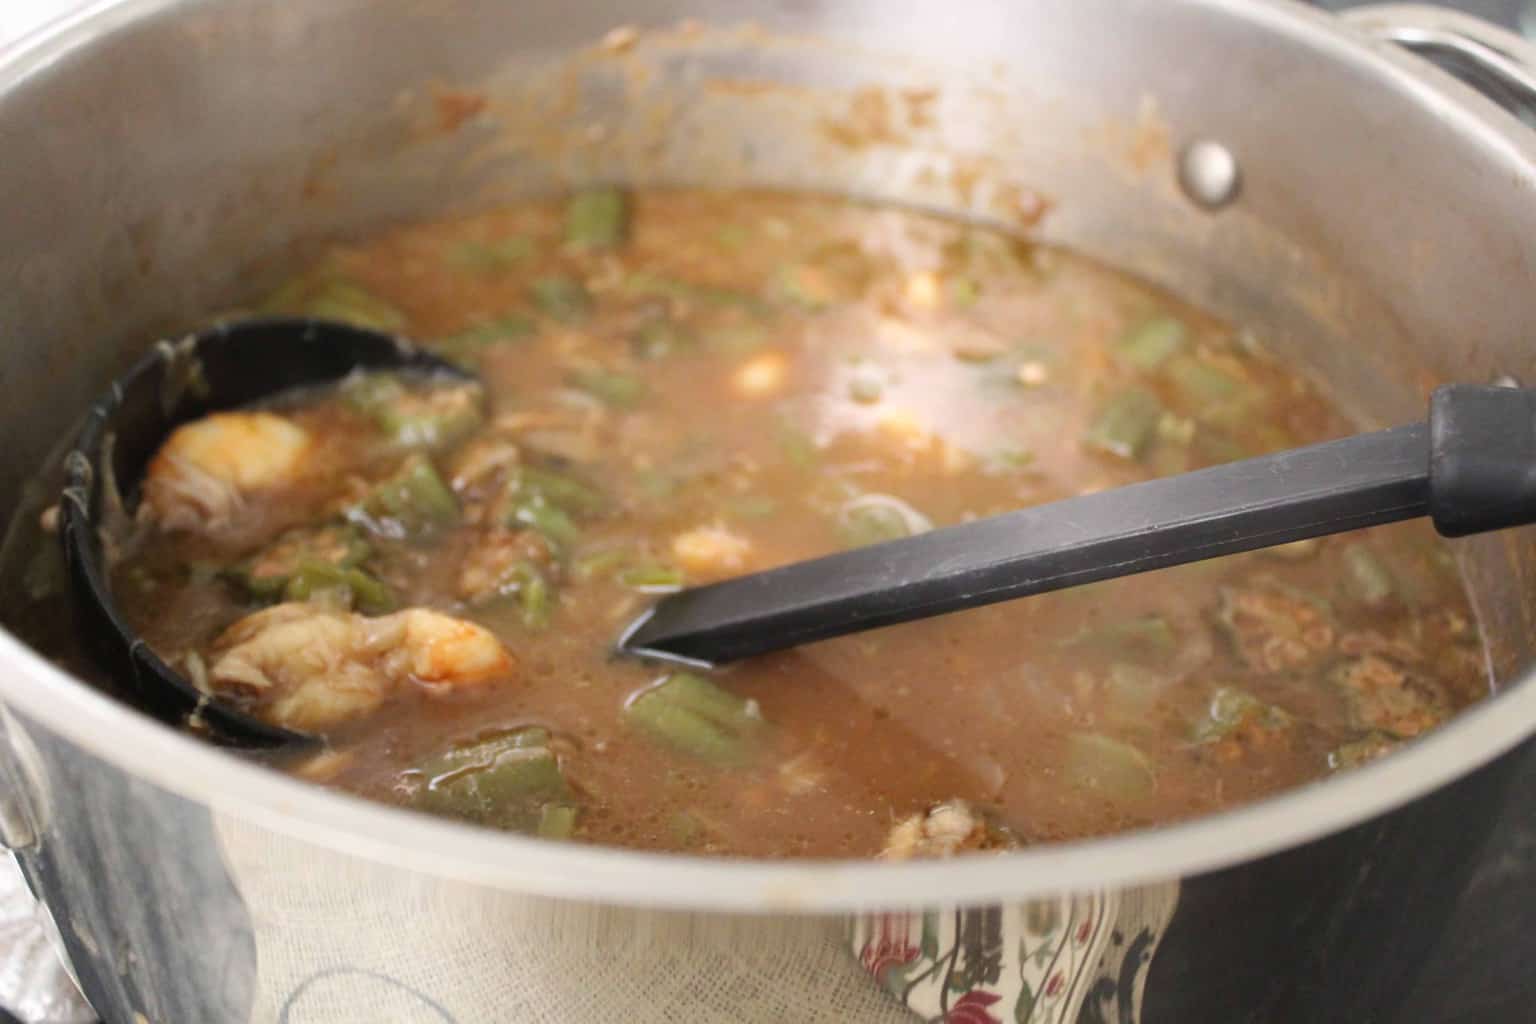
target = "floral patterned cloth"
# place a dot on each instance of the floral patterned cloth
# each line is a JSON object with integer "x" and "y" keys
{"x": 1064, "y": 960}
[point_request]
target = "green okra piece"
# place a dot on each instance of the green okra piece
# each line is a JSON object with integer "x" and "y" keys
{"x": 751, "y": 506}
{"x": 562, "y": 298}
{"x": 874, "y": 518}
{"x": 1150, "y": 633}
{"x": 1367, "y": 578}
{"x": 411, "y": 501}
{"x": 871, "y": 524}
{"x": 491, "y": 257}
{"x": 964, "y": 291}
{"x": 652, "y": 579}
{"x": 352, "y": 587}
{"x": 611, "y": 387}
{"x": 693, "y": 716}
{"x": 799, "y": 449}
{"x": 686, "y": 731}
{"x": 1361, "y": 751}
{"x": 337, "y": 298}
{"x": 562, "y": 490}
{"x": 1108, "y": 767}
{"x": 685, "y": 828}
{"x": 538, "y": 513}
{"x": 544, "y": 500}
{"x": 804, "y": 286}
{"x": 657, "y": 339}
{"x": 353, "y": 304}
{"x": 507, "y": 781}
{"x": 336, "y": 545}
{"x": 738, "y": 339}
{"x": 1152, "y": 342}
{"x": 1125, "y": 424}
{"x": 470, "y": 344}
{"x": 1218, "y": 448}
{"x": 1201, "y": 386}
{"x": 1133, "y": 691}
{"x": 599, "y": 564}
{"x": 416, "y": 415}
{"x": 1231, "y": 708}
{"x": 531, "y": 589}
{"x": 557, "y": 821}
{"x": 866, "y": 384}
{"x": 597, "y": 218}
{"x": 1295, "y": 551}
{"x": 534, "y": 597}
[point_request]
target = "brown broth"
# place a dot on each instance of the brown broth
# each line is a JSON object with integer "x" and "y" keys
{"x": 951, "y": 368}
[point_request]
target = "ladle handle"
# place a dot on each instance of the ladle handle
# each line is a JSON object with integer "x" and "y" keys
{"x": 1482, "y": 458}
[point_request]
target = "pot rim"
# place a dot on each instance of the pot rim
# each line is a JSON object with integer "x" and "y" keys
{"x": 228, "y": 784}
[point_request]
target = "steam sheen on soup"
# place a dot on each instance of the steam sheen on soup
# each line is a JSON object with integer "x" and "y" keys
{"x": 678, "y": 387}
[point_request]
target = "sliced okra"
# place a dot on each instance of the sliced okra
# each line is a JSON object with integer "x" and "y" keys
{"x": 1152, "y": 342}
{"x": 350, "y": 588}
{"x": 562, "y": 298}
{"x": 1125, "y": 424}
{"x": 1233, "y": 712}
{"x": 411, "y": 502}
{"x": 693, "y": 716}
{"x": 611, "y": 387}
{"x": 597, "y": 218}
{"x": 512, "y": 781}
{"x": 417, "y": 416}
{"x": 331, "y": 297}
{"x": 1108, "y": 767}
{"x": 337, "y": 545}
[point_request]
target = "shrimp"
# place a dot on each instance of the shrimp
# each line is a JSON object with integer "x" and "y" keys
{"x": 761, "y": 376}
{"x": 444, "y": 653}
{"x": 711, "y": 551}
{"x": 201, "y": 477}
{"x": 310, "y": 666}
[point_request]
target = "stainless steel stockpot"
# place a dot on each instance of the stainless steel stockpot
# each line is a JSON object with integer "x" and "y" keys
{"x": 1371, "y": 215}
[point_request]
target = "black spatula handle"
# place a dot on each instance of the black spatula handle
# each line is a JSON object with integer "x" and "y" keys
{"x": 1482, "y": 458}
{"x": 1472, "y": 467}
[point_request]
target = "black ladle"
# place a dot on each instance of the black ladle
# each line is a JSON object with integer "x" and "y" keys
{"x": 1471, "y": 468}
{"x": 226, "y": 366}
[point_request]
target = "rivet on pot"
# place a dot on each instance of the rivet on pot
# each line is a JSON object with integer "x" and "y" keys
{"x": 1209, "y": 174}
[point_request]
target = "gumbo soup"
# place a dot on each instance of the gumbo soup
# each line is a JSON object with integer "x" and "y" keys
{"x": 679, "y": 387}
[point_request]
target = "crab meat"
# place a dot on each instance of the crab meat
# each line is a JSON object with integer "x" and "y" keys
{"x": 206, "y": 469}
{"x": 498, "y": 563}
{"x": 1387, "y": 698}
{"x": 311, "y": 666}
{"x": 944, "y": 830}
{"x": 1274, "y": 630}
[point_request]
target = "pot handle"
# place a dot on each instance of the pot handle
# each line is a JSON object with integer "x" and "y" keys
{"x": 1495, "y": 61}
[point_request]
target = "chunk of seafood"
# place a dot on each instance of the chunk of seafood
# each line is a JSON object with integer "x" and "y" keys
{"x": 946, "y": 829}
{"x": 201, "y": 477}
{"x": 1274, "y": 629}
{"x": 312, "y": 666}
{"x": 1385, "y": 697}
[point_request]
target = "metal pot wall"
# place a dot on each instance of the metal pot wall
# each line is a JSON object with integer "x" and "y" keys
{"x": 162, "y": 158}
